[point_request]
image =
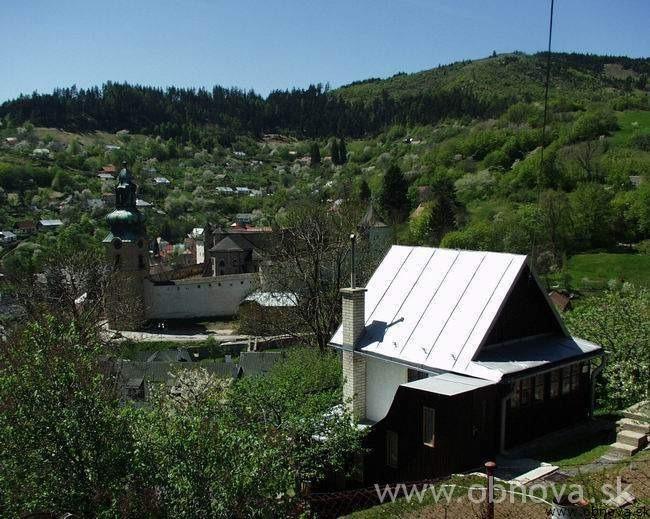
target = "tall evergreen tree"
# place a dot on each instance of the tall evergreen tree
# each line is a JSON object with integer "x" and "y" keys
{"x": 364, "y": 191}
{"x": 393, "y": 195}
{"x": 314, "y": 151}
{"x": 334, "y": 152}
{"x": 343, "y": 152}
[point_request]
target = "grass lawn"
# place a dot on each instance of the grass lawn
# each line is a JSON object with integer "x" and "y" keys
{"x": 402, "y": 507}
{"x": 631, "y": 122}
{"x": 594, "y": 270}
{"x": 569, "y": 454}
{"x": 129, "y": 348}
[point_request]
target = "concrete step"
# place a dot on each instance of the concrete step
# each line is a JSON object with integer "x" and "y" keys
{"x": 623, "y": 449}
{"x": 635, "y": 439}
{"x": 628, "y": 424}
{"x": 635, "y": 414}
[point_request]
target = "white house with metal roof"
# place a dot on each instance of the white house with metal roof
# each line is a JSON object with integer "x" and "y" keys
{"x": 460, "y": 326}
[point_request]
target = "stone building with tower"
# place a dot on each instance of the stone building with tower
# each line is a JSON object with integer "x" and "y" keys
{"x": 136, "y": 295}
{"x": 127, "y": 250}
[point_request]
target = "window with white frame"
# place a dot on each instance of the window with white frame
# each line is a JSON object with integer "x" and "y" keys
{"x": 428, "y": 426}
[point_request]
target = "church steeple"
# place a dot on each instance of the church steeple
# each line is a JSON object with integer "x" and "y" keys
{"x": 126, "y": 222}
{"x": 127, "y": 251}
{"x": 125, "y": 190}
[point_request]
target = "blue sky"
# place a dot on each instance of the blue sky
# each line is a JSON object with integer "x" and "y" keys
{"x": 277, "y": 44}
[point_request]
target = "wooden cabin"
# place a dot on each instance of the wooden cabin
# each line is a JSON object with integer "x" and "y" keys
{"x": 450, "y": 357}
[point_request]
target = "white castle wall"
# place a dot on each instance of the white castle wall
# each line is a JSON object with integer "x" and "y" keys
{"x": 198, "y": 297}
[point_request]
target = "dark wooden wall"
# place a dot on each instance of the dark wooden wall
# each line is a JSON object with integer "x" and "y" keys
{"x": 465, "y": 435}
{"x": 526, "y": 313}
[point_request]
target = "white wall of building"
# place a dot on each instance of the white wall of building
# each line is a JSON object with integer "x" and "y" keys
{"x": 382, "y": 380}
{"x": 200, "y": 252}
{"x": 198, "y": 297}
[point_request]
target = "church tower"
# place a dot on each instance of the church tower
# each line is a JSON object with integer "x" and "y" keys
{"x": 127, "y": 251}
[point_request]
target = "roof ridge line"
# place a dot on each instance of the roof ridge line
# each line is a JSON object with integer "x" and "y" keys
{"x": 483, "y": 310}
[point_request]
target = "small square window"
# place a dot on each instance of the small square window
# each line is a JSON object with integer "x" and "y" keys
{"x": 391, "y": 449}
{"x": 428, "y": 426}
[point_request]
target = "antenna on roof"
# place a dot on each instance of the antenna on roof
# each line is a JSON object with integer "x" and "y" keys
{"x": 353, "y": 271}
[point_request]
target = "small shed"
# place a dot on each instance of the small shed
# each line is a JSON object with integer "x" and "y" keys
{"x": 49, "y": 225}
{"x": 260, "y": 310}
{"x": 7, "y": 237}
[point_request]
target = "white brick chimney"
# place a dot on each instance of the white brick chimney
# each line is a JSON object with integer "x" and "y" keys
{"x": 354, "y": 364}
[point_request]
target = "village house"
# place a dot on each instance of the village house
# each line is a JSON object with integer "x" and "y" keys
{"x": 41, "y": 152}
{"x": 107, "y": 177}
{"x": 109, "y": 168}
{"x": 450, "y": 357}
{"x": 378, "y": 234}
{"x": 49, "y": 225}
{"x": 7, "y": 237}
{"x": 25, "y": 227}
{"x": 161, "y": 181}
{"x": 142, "y": 204}
{"x": 234, "y": 250}
{"x": 260, "y": 308}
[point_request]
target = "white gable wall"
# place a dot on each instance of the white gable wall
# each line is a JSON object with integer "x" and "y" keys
{"x": 382, "y": 380}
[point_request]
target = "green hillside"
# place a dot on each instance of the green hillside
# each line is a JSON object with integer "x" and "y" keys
{"x": 449, "y": 157}
{"x": 515, "y": 76}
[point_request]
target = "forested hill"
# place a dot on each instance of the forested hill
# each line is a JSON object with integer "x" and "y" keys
{"x": 504, "y": 78}
{"x": 476, "y": 89}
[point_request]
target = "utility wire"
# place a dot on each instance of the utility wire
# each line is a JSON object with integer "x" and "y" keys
{"x": 548, "y": 79}
{"x": 545, "y": 120}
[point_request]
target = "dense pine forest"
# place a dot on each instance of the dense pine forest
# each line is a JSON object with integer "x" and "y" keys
{"x": 478, "y": 89}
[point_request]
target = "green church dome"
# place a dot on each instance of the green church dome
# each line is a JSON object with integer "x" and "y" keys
{"x": 124, "y": 217}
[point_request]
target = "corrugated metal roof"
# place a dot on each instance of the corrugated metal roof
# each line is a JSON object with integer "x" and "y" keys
{"x": 448, "y": 384}
{"x": 533, "y": 353}
{"x": 258, "y": 363}
{"x": 433, "y": 307}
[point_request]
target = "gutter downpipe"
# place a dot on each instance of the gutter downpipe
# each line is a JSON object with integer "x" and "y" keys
{"x": 594, "y": 374}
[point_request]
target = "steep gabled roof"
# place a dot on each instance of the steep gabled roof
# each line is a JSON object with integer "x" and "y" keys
{"x": 233, "y": 242}
{"x": 370, "y": 219}
{"x": 435, "y": 308}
